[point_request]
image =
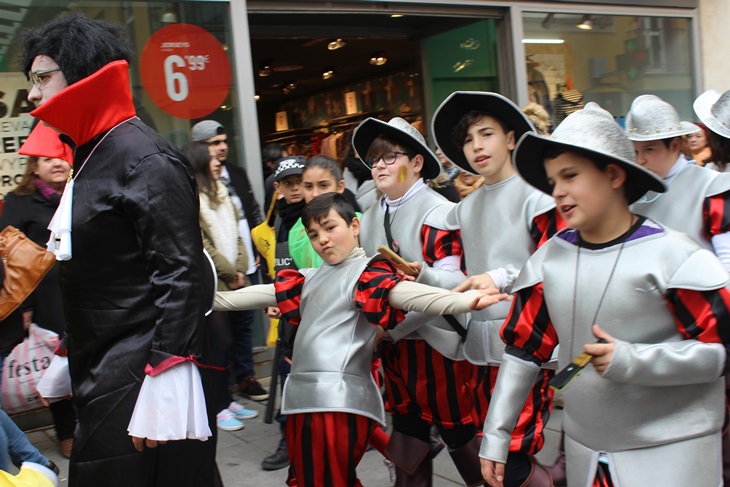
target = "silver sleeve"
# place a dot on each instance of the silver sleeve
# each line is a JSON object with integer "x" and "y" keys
{"x": 514, "y": 382}
{"x": 666, "y": 364}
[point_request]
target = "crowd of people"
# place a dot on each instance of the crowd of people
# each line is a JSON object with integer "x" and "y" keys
{"x": 454, "y": 289}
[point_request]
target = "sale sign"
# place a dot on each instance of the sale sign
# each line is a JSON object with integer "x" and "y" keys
{"x": 15, "y": 124}
{"x": 185, "y": 71}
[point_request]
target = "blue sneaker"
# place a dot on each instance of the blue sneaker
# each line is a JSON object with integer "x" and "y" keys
{"x": 227, "y": 421}
{"x": 240, "y": 412}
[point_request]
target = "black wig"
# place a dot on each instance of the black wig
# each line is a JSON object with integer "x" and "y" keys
{"x": 79, "y": 45}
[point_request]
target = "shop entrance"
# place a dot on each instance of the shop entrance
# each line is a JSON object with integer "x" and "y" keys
{"x": 317, "y": 75}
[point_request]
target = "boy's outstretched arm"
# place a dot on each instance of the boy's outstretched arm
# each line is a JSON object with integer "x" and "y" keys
{"x": 412, "y": 296}
{"x": 252, "y": 297}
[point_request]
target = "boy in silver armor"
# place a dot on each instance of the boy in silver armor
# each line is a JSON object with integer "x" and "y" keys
{"x": 651, "y": 402}
{"x": 339, "y": 308}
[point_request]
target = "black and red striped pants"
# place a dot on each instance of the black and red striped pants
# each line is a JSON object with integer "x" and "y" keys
{"x": 325, "y": 448}
{"x": 421, "y": 382}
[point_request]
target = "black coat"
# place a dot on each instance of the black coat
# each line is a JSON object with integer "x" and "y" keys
{"x": 31, "y": 214}
{"x": 135, "y": 292}
{"x": 242, "y": 185}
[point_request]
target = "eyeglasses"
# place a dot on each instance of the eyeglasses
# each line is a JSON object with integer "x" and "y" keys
{"x": 38, "y": 77}
{"x": 388, "y": 158}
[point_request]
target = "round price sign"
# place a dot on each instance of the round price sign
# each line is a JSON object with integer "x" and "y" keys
{"x": 185, "y": 71}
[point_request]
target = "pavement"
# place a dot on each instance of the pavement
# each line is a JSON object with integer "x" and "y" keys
{"x": 240, "y": 454}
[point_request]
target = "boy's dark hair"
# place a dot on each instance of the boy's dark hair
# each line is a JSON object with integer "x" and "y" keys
{"x": 602, "y": 164}
{"x": 320, "y": 207}
{"x": 199, "y": 158}
{"x": 79, "y": 45}
{"x": 272, "y": 152}
{"x": 668, "y": 141}
{"x": 327, "y": 163}
{"x": 458, "y": 134}
{"x": 382, "y": 145}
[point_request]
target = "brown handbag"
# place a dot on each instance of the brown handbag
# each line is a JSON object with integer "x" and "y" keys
{"x": 25, "y": 264}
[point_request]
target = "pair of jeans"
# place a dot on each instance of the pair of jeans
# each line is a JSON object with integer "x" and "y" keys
{"x": 241, "y": 323}
{"x": 14, "y": 441}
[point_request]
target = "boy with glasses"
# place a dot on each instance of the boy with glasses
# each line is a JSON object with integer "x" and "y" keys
{"x": 425, "y": 374}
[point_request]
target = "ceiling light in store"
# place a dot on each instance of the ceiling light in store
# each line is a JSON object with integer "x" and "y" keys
{"x": 289, "y": 87}
{"x": 396, "y": 16}
{"x": 470, "y": 44}
{"x": 378, "y": 59}
{"x": 543, "y": 41}
{"x": 265, "y": 69}
{"x": 549, "y": 22}
{"x": 459, "y": 65}
{"x": 585, "y": 23}
{"x": 256, "y": 98}
{"x": 336, "y": 44}
{"x": 328, "y": 73}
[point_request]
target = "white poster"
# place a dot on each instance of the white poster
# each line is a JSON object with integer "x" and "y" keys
{"x": 15, "y": 123}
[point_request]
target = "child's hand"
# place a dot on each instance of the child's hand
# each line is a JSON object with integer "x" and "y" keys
{"x": 273, "y": 312}
{"x": 478, "y": 282}
{"x": 602, "y": 352}
{"x": 416, "y": 267}
{"x": 488, "y": 297}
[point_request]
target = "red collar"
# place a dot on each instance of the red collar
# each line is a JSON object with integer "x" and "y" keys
{"x": 91, "y": 106}
{"x": 43, "y": 141}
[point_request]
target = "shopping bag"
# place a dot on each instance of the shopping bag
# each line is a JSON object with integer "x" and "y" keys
{"x": 263, "y": 237}
{"x": 24, "y": 367}
{"x": 273, "y": 333}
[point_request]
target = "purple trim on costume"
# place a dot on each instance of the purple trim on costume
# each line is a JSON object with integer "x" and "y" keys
{"x": 647, "y": 229}
{"x": 569, "y": 235}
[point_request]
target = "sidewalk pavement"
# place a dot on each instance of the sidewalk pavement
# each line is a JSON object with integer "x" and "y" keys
{"x": 240, "y": 454}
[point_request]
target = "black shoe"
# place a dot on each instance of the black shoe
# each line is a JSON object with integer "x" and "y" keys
{"x": 52, "y": 466}
{"x": 251, "y": 389}
{"x": 279, "y": 459}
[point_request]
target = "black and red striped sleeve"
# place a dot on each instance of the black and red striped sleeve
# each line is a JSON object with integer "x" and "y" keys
{"x": 528, "y": 331}
{"x": 439, "y": 244}
{"x": 716, "y": 214}
{"x": 371, "y": 295}
{"x": 702, "y": 315}
{"x": 545, "y": 225}
{"x": 288, "y": 285}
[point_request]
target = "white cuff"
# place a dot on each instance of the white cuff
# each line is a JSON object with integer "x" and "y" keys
{"x": 171, "y": 406}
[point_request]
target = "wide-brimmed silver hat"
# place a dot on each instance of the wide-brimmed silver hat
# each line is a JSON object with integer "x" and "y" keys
{"x": 713, "y": 109}
{"x": 651, "y": 118}
{"x": 396, "y": 130}
{"x": 458, "y": 104}
{"x": 594, "y": 133}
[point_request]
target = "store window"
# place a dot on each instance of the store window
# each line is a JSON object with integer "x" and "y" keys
{"x": 575, "y": 58}
{"x": 183, "y": 69}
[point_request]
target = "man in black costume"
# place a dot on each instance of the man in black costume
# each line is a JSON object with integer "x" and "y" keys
{"x": 134, "y": 278}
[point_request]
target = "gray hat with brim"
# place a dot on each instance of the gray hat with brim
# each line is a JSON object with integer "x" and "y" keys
{"x": 401, "y": 132}
{"x": 713, "y": 109}
{"x": 205, "y": 130}
{"x": 593, "y": 133}
{"x": 458, "y": 104}
{"x": 651, "y": 118}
